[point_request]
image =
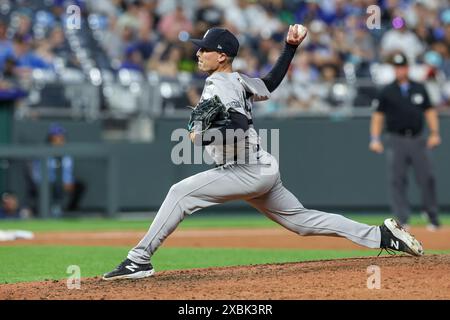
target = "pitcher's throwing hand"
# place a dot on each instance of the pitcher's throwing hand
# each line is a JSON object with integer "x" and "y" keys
{"x": 296, "y": 34}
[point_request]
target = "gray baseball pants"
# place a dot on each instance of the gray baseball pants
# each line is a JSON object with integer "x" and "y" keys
{"x": 401, "y": 153}
{"x": 260, "y": 185}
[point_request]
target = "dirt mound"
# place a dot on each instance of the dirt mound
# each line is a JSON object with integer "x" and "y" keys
{"x": 401, "y": 277}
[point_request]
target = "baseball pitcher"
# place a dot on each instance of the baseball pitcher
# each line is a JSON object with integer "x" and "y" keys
{"x": 243, "y": 170}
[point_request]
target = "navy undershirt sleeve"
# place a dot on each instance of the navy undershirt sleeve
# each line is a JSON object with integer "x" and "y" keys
{"x": 238, "y": 121}
{"x": 273, "y": 79}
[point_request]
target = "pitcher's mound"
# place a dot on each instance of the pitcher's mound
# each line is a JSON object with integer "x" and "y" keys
{"x": 399, "y": 277}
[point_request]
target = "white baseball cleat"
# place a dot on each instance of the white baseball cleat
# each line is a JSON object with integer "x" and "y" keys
{"x": 394, "y": 237}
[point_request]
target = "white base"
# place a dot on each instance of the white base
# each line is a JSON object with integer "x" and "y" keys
{"x": 10, "y": 235}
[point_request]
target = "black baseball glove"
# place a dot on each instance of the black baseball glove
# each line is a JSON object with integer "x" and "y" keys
{"x": 210, "y": 113}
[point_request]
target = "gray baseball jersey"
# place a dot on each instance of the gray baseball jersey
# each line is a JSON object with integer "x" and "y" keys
{"x": 237, "y": 92}
{"x": 258, "y": 183}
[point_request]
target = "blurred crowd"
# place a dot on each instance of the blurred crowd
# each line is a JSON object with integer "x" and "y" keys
{"x": 152, "y": 36}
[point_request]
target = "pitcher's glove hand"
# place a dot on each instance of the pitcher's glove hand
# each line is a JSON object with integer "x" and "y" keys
{"x": 208, "y": 113}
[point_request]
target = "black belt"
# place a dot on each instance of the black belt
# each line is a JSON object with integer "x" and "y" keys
{"x": 406, "y": 133}
{"x": 222, "y": 164}
{"x": 235, "y": 162}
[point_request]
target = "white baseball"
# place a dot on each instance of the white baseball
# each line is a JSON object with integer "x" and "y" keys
{"x": 301, "y": 30}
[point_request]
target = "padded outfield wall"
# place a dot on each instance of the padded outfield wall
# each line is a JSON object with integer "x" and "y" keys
{"x": 326, "y": 163}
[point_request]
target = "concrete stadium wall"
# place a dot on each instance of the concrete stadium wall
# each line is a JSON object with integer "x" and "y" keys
{"x": 325, "y": 163}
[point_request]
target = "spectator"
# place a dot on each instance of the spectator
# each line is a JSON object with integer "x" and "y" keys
{"x": 56, "y": 39}
{"x": 337, "y": 33}
{"x": 145, "y": 43}
{"x": 173, "y": 23}
{"x": 403, "y": 40}
{"x": 247, "y": 63}
{"x": 10, "y": 72}
{"x": 25, "y": 58}
{"x": 337, "y": 13}
{"x": 5, "y": 44}
{"x": 209, "y": 14}
{"x": 10, "y": 207}
{"x": 10, "y": 93}
{"x": 144, "y": 33}
{"x": 188, "y": 62}
{"x": 424, "y": 33}
{"x": 116, "y": 40}
{"x": 272, "y": 59}
{"x": 24, "y": 25}
{"x": 309, "y": 11}
{"x": 58, "y": 10}
{"x": 66, "y": 191}
{"x": 166, "y": 60}
{"x": 293, "y": 97}
{"x": 433, "y": 75}
{"x": 44, "y": 52}
{"x": 329, "y": 73}
{"x": 250, "y": 20}
{"x": 389, "y": 12}
{"x": 319, "y": 46}
{"x": 105, "y": 7}
{"x": 306, "y": 97}
{"x": 443, "y": 50}
{"x": 131, "y": 18}
{"x": 9, "y": 83}
{"x": 433, "y": 63}
{"x": 133, "y": 59}
{"x": 362, "y": 51}
{"x": 303, "y": 71}
{"x": 236, "y": 16}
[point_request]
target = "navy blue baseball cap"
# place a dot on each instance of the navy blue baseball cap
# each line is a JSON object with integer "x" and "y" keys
{"x": 56, "y": 129}
{"x": 220, "y": 40}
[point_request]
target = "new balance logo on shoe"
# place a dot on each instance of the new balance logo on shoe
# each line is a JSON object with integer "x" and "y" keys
{"x": 130, "y": 270}
{"x": 395, "y": 244}
{"x": 132, "y": 267}
{"x": 393, "y": 236}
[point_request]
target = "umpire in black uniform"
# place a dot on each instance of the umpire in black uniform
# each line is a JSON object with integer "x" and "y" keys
{"x": 405, "y": 105}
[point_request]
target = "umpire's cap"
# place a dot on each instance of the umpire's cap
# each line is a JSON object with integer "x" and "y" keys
{"x": 220, "y": 40}
{"x": 399, "y": 59}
